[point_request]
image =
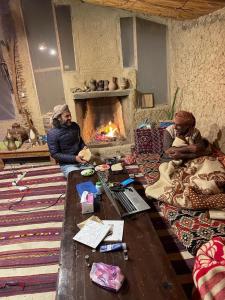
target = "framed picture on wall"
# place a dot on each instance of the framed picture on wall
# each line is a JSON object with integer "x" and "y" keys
{"x": 147, "y": 100}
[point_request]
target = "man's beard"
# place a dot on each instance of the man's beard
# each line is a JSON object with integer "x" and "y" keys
{"x": 65, "y": 123}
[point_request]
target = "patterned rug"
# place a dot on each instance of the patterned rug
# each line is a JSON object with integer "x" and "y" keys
{"x": 30, "y": 241}
{"x": 181, "y": 260}
{"x": 30, "y": 232}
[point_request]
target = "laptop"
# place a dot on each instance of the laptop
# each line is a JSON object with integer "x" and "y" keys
{"x": 127, "y": 202}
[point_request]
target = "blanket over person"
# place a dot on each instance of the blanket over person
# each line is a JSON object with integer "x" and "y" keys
{"x": 196, "y": 184}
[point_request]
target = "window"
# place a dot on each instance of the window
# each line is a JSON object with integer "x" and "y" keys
{"x": 63, "y": 18}
{"x": 152, "y": 62}
{"x": 151, "y": 55}
{"x": 41, "y": 37}
{"x": 127, "y": 41}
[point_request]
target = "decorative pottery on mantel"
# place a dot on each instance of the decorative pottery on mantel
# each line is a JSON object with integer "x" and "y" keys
{"x": 113, "y": 84}
{"x": 106, "y": 85}
{"x": 124, "y": 83}
{"x": 92, "y": 85}
{"x": 100, "y": 85}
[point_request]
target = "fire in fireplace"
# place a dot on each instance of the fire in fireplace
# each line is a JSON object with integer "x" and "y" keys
{"x": 101, "y": 120}
{"x": 107, "y": 133}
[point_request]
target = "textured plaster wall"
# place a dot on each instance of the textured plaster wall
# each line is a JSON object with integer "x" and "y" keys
{"x": 195, "y": 61}
{"x": 96, "y": 38}
{"x": 96, "y": 33}
{"x": 197, "y": 66}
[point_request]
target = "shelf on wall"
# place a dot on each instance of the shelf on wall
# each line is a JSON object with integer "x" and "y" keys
{"x": 101, "y": 94}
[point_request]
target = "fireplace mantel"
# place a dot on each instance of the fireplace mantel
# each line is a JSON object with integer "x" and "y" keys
{"x": 101, "y": 94}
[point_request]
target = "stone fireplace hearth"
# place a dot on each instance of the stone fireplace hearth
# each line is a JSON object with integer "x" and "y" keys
{"x": 105, "y": 117}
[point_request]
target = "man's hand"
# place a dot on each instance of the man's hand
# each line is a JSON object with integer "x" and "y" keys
{"x": 80, "y": 160}
{"x": 195, "y": 148}
{"x": 171, "y": 151}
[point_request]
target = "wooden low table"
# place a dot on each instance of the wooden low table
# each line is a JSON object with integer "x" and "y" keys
{"x": 25, "y": 151}
{"x": 148, "y": 272}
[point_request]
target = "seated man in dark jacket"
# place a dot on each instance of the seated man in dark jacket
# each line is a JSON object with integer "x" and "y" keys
{"x": 64, "y": 140}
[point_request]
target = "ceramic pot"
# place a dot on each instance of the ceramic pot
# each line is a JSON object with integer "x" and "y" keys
{"x": 123, "y": 83}
{"x": 10, "y": 141}
{"x": 113, "y": 84}
{"x": 92, "y": 85}
{"x": 100, "y": 85}
{"x": 106, "y": 85}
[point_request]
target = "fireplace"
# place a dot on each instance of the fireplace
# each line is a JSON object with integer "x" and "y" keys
{"x": 103, "y": 117}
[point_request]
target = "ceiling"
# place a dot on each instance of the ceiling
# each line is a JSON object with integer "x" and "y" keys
{"x": 177, "y": 9}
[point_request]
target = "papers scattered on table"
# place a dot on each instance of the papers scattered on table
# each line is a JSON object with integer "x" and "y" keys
{"x": 92, "y": 218}
{"x": 94, "y": 230}
{"x": 92, "y": 233}
{"x": 116, "y": 229}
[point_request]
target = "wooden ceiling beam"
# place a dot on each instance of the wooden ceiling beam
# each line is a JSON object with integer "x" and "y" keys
{"x": 178, "y": 9}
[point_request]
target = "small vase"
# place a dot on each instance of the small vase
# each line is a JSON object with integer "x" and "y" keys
{"x": 106, "y": 85}
{"x": 113, "y": 84}
{"x": 123, "y": 83}
{"x": 92, "y": 85}
{"x": 100, "y": 85}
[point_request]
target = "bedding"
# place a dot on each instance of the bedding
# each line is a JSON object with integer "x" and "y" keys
{"x": 195, "y": 184}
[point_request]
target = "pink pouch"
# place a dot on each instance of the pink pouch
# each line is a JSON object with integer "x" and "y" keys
{"x": 107, "y": 276}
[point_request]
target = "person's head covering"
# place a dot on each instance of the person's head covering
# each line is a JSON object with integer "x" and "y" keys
{"x": 185, "y": 118}
{"x": 58, "y": 110}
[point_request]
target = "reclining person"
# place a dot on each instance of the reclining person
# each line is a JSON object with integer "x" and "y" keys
{"x": 184, "y": 129}
{"x": 192, "y": 178}
{"x": 64, "y": 140}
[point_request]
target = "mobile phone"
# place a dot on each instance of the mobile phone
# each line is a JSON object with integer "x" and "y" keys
{"x": 127, "y": 181}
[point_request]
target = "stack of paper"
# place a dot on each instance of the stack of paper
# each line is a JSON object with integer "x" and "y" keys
{"x": 92, "y": 233}
{"x": 116, "y": 229}
{"x": 94, "y": 230}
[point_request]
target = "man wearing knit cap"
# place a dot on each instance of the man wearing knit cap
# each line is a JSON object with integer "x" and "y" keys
{"x": 184, "y": 128}
{"x": 64, "y": 140}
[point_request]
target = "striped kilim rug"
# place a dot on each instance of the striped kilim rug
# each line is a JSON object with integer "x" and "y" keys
{"x": 30, "y": 241}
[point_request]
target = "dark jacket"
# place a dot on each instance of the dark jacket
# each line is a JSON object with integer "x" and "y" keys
{"x": 64, "y": 143}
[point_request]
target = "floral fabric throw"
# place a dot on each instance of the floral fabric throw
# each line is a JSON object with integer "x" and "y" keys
{"x": 209, "y": 270}
{"x": 197, "y": 184}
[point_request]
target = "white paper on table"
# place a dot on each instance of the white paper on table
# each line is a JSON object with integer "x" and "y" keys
{"x": 117, "y": 230}
{"x": 92, "y": 233}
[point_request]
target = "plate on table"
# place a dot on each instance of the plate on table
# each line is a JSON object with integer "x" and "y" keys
{"x": 102, "y": 168}
{"x": 87, "y": 172}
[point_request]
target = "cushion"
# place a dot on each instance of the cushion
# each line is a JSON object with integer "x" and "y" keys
{"x": 149, "y": 140}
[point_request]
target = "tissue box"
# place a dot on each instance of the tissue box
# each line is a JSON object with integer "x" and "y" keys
{"x": 87, "y": 203}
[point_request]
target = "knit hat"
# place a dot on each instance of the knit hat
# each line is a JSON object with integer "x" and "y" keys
{"x": 58, "y": 110}
{"x": 184, "y": 117}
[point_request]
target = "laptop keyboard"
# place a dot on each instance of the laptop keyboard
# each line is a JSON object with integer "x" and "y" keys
{"x": 124, "y": 201}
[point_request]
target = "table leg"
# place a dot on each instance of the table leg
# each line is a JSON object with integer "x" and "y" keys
{"x": 2, "y": 165}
